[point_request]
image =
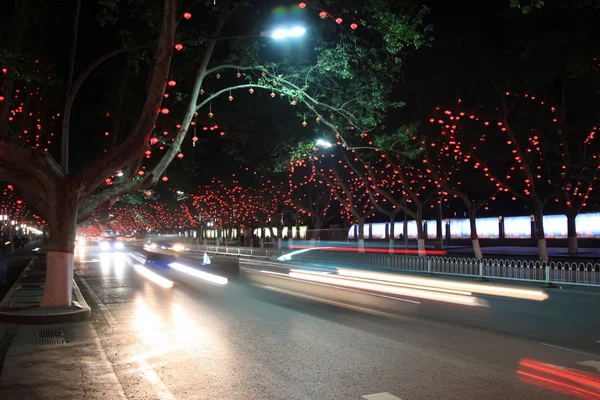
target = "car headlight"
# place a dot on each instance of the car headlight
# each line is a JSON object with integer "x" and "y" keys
{"x": 178, "y": 247}
{"x": 119, "y": 245}
{"x": 104, "y": 245}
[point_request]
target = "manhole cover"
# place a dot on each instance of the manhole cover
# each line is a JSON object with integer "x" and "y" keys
{"x": 47, "y": 337}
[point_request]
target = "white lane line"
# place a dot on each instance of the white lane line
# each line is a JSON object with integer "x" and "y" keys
{"x": 591, "y": 363}
{"x": 154, "y": 380}
{"x": 99, "y": 304}
{"x": 571, "y": 350}
{"x": 380, "y": 396}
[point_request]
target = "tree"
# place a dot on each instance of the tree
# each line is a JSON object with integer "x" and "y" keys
{"x": 348, "y": 80}
{"x": 309, "y": 195}
{"x": 451, "y": 162}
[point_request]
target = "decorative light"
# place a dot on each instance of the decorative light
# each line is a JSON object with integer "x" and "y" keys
{"x": 251, "y": 91}
{"x": 353, "y": 25}
{"x": 165, "y": 111}
{"x": 222, "y": 133}
{"x": 187, "y": 15}
{"x": 164, "y": 179}
{"x": 323, "y": 14}
{"x": 171, "y": 83}
{"x": 180, "y": 155}
{"x": 178, "y": 47}
{"x": 302, "y": 4}
{"x": 148, "y": 193}
{"x": 140, "y": 172}
{"x": 210, "y": 115}
{"x": 339, "y": 21}
{"x": 272, "y": 94}
{"x": 238, "y": 75}
{"x": 218, "y": 76}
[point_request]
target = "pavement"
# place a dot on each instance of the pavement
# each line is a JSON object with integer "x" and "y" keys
{"x": 241, "y": 341}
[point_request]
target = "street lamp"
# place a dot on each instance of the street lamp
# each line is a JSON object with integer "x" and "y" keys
{"x": 323, "y": 143}
{"x": 281, "y": 33}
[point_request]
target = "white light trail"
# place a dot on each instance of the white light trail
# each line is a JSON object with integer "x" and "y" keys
{"x": 159, "y": 280}
{"x": 205, "y": 276}
{"x": 422, "y": 294}
{"x": 527, "y": 294}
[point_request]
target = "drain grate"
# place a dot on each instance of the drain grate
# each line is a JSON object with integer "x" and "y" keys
{"x": 48, "y": 337}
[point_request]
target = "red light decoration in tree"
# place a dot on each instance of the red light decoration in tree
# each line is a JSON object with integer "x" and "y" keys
{"x": 178, "y": 47}
{"x": 164, "y": 179}
{"x": 187, "y": 15}
{"x": 171, "y": 83}
{"x": 302, "y": 4}
{"x": 323, "y": 14}
{"x": 353, "y": 25}
{"x": 338, "y": 20}
{"x": 180, "y": 155}
{"x": 164, "y": 111}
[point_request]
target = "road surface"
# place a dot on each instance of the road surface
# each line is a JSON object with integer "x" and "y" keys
{"x": 240, "y": 341}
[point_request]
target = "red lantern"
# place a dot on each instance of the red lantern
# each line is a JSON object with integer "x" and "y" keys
{"x": 171, "y": 83}
{"x": 1, "y": 98}
{"x": 353, "y": 26}
{"x": 195, "y": 139}
{"x": 323, "y": 14}
{"x": 166, "y": 95}
{"x": 21, "y": 201}
{"x": 302, "y": 5}
{"x": 222, "y": 133}
{"x": 339, "y": 21}
{"x": 187, "y": 15}
{"x": 153, "y": 140}
{"x": 165, "y": 111}
{"x": 180, "y": 155}
{"x": 148, "y": 152}
{"x": 148, "y": 193}
{"x": 140, "y": 172}
{"x": 178, "y": 47}
{"x": 164, "y": 179}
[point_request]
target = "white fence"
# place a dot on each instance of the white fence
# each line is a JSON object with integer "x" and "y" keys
{"x": 573, "y": 273}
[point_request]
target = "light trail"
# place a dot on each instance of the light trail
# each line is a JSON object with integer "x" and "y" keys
{"x": 459, "y": 292}
{"x": 504, "y": 291}
{"x": 205, "y": 276}
{"x": 159, "y": 280}
{"x": 376, "y": 287}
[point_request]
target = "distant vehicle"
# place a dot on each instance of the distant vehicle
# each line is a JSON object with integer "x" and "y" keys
{"x": 110, "y": 244}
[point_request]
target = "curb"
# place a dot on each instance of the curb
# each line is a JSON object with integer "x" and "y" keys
{"x": 79, "y": 310}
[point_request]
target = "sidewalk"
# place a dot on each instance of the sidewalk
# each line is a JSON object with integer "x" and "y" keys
{"x": 64, "y": 361}
{"x": 21, "y": 303}
{"x": 59, "y": 361}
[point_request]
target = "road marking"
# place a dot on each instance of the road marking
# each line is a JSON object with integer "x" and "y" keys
{"x": 591, "y": 363}
{"x": 571, "y": 350}
{"x": 99, "y": 304}
{"x": 380, "y": 396}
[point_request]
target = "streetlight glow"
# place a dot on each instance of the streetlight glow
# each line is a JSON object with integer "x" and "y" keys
{"x": 284, "y": 33}
{"x": 323, "y": 143}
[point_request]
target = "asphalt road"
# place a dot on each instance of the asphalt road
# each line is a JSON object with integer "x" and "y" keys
{"x": 240, "y": 341}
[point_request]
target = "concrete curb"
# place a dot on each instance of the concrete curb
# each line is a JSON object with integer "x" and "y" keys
{"x": 78, "y": 311}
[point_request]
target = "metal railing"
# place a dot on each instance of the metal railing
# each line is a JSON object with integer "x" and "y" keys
{"x": 573, "y": 273}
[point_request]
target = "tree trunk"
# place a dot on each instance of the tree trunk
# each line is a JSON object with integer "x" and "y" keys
{"x": 572, "y": 233}
{"x": 361, "y": 235}
{"x": 539, "y": 224}
{"x": 314, "y": 235}
{"x": 58, "y": 289}
{"x": 392, "y": 232}
{"x": 420, "y": 233}
{"x": 438, "y": 228}
{"x": 474, "y": 236}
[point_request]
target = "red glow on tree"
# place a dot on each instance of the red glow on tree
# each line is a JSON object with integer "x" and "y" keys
{"x": 187, "y": 15}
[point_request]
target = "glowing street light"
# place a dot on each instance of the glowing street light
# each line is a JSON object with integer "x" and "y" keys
{"x": 324, "y": 144}
{"x": 282, "y": 33}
